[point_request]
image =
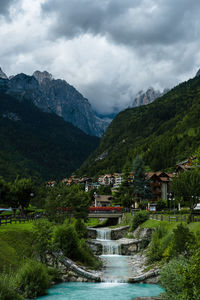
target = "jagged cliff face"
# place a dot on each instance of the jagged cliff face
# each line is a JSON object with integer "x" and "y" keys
{"x": 67, "y": 102}
{"x": 2, "y": 74}
{"x": 198, "y": 73}
{"x": 144, "y": 98}
{"x": 56, "y": 96}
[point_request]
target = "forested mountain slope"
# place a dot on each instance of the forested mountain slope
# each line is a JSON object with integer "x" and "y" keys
{"x": 163, "y": 132}
{"x": 39, "y": 144}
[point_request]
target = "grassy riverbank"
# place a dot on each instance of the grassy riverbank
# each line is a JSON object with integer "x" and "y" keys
{"x": 193, "y": 226}
{"x": 23, "y": 253}
{"x": 15, "y": 244}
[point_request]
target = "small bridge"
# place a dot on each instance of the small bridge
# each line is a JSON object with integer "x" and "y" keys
{"x": 105, "y": 215}
{"x": 105, "y": 212}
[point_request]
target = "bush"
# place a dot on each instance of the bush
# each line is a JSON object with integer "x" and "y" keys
{"x": 180, "y": 278}
{"x": 8, "y": 289}
{"x": 32, "y": 279}
{"x": 172, "y": 279}
{"x": 182, "y": 241}
{"x": 42, "y": 238}
{"x": 192, "y": 277}
{"x": 66, "y": 239}
{"x": 54, "y": 274}
{"x": 81, "y": 228}
{"x": 139, "y": 218}
{"x": 159, "y": 243}
{"x": 143, "y": 204}
{"x": 161, "y": 204}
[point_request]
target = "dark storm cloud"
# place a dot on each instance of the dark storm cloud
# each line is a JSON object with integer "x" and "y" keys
{"x": 107, "y": 49}
{"x": 4, "y": 6}
{"x": 127, "y": 22}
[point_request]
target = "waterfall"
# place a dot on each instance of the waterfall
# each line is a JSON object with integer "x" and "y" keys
{"x": 103, "y": 234}
{"x": 109, "y": 247}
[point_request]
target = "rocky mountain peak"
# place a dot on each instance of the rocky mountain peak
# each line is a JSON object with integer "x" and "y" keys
{"x": 2, "y": 74}
{"x": 198, "y": 73}
{"x": 144, "y": 98}
{"x": 40, "y": 76}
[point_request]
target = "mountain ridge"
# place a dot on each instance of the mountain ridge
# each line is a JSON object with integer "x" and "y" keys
{"x": 163, "y": 132}
{"x": 39, "y": 144}
{"x": 56, "y": 95}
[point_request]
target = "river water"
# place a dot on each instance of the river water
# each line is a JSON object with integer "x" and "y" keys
{"x": 117, "y": 270}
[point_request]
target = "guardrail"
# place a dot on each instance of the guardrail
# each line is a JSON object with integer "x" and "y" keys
{"x": 176, "y": 218}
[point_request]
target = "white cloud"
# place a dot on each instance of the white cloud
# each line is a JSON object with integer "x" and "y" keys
{"x": 109, "y": 49}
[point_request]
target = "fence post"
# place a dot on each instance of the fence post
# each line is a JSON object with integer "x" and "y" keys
{"x": 161, "y": 218}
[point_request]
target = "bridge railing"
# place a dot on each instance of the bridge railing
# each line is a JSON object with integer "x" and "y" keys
{"x": 105, "y": 210}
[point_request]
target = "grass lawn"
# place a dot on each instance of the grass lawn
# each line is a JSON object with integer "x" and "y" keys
{"x": 194, "y": 226}
{"x": 15, "y": 245}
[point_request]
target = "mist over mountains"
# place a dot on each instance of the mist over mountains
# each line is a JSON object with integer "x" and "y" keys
{"x": 57, "y": 96}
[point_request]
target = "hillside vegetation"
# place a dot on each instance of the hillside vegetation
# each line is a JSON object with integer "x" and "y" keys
{"x": 163, "y": 132}
{"x": 39, "y": 144}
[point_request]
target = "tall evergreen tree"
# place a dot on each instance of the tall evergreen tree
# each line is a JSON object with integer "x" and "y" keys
{"x": 141, "y": 185}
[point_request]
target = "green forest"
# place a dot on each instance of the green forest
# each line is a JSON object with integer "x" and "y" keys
{"x": 163, "y": 133}
{"x": 38, "y": 144}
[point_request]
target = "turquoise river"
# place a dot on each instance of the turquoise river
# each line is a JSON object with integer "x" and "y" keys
{"x": 117, "y": 270}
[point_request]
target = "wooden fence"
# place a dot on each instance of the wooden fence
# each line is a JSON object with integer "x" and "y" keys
{"x": 12, "y": 219}
{"x": 176, "y": 218}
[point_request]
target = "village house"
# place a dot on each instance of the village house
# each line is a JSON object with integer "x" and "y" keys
{"x": 102, "y": 200}
{"x": 160, "y": 184}
{"x": 91, "y": 186}
{"x": 185, "y": 165}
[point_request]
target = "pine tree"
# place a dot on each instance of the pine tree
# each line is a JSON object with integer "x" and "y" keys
{"x": 141, "y": 185}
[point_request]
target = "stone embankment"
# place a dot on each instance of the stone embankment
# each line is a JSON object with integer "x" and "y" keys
{"x": 71, "y": 271}
{"x": 128, "y": 246}
{"x": 146, "y": 277}
{"x": 116, "y": 233}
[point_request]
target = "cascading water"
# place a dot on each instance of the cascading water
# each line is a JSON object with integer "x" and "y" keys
{"x": 117, "y": 271}
{"x": 103, "y": 234}
{"x": 109, "y": 247}
{"x": 117, "y": 266}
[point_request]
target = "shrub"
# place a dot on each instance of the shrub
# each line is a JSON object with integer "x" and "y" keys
{"x": 192, "y": 277}
{"x": 81, "y": 229}
{"x": 54, "y": 274}
{"x": 66, "y": 239}
{"x": 172, "y": 279}
{"x": 143, "y": 204}
{"x": 8, "y": 289}
{"x": 32, "y": 279}
{"x": 180, "y": 278}
{"x": 161, "y": 204}
{"x": 182, "y": 241}
{"x": 43, "y": 236}
{"x": 159, "y": 243}
{"x": 139, "y": 218}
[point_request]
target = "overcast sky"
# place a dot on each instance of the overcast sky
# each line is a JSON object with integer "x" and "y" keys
{"x": 107, "y": 49}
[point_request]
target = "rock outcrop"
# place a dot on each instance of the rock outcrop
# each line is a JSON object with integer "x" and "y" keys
{"x": 56, "y": 96}
{"x": 144, "y": 98}
{"x": 198, "y": 73}
{"x": 2, "y": 74}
